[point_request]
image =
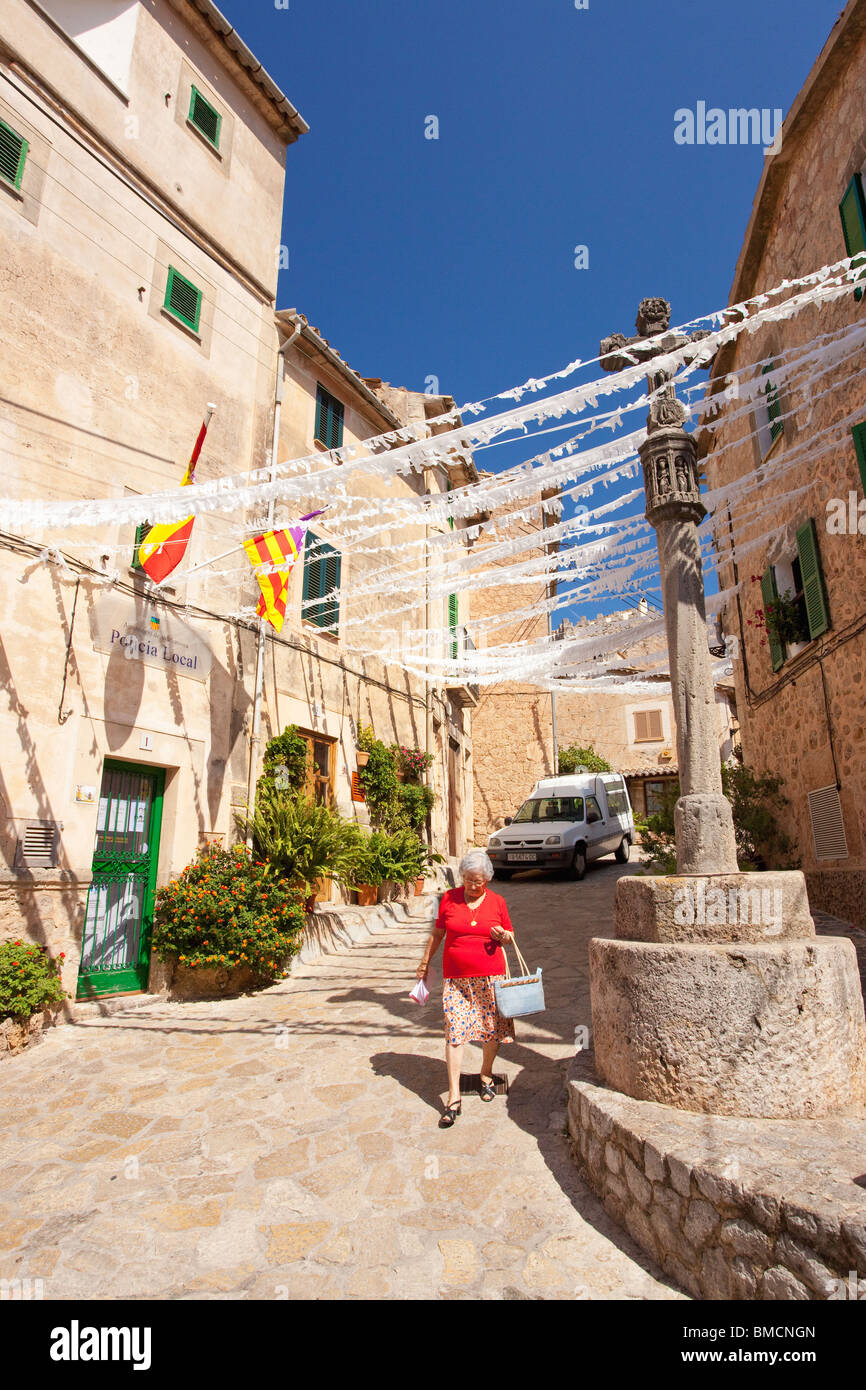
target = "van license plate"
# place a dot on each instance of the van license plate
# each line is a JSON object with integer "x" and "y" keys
{"x": 522, "y": 858}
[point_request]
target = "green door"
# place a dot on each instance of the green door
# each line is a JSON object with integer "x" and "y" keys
{"x": 115, "y": 953}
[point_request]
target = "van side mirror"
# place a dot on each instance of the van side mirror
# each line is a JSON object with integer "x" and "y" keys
{"x": 507, "y": 820}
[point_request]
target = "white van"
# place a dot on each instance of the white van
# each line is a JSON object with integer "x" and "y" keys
{"x": 565, "y": 823}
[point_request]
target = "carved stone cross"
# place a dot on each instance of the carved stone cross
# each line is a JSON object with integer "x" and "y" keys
{"x": 704, "y": 823}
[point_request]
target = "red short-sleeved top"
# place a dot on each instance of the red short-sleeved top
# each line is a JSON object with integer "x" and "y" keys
{"x": 470, "y": 951}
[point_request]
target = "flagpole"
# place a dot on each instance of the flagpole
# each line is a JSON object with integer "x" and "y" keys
{"x": 255, "y": 732}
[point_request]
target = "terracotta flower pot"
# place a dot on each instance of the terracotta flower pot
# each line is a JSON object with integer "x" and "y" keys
{"x": 361, "y": 758}
{"x": 366, "y": 894}
{"x": 419, "y": 886}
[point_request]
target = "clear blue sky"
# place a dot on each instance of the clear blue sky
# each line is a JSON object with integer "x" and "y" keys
{"x": 455, "y": 257}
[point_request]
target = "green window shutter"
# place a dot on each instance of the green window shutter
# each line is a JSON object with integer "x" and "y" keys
{"x": 770, "y": 594}
{"x": 859, "y": 433}
{"x": 140, "y": 533}
{"x": 453, "y": 613}
{"x": 183, "y": 299}
{"x": 13, "y": 153}
{"x": 814, "y": 592}
{"x": 450, "y": 519}
{"x": 774, "y": 405}
{"x": 329, "y": 419}
{"x": 852, "y": 211}
{"x": 322, "y": 573}
{"x": 205, "y": 117}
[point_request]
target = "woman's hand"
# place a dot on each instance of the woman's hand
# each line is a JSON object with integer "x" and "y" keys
{"x": 421, "y": 972}
{"x": 500, "y": 933}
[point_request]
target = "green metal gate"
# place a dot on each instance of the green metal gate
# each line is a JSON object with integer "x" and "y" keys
{"x": 115, "y": 951}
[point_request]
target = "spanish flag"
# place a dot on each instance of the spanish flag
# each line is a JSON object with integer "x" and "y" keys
{"x": 276, "y": 548}
{"x": 164, "y": 546}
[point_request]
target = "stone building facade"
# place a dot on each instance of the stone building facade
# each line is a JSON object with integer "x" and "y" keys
{"x": 800, "y": 696}
{"x": 132, "y": 136}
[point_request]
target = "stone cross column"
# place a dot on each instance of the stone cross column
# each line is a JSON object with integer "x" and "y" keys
{"x": 704, "y": 823}
{"x": 715, "y": 994}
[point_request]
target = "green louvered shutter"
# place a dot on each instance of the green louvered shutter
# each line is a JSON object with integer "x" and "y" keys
{"x": 183, "y": 299}
{"x": 859, "y": 433}
{"x": 852, "y": 211}
{"x": 140, "y": 533}
{"x": 205, "y": 117}
{"x": 452, "y": 623}
{"x": 322, "y": 573}
{"x": 774, "y": 405}
{"x": 13, "y": 153}
{"x": 814, "y": 592}
{"x": 770, "y": 594}
{"x": 448, "y": 486}
{"x": 329, "y": 419}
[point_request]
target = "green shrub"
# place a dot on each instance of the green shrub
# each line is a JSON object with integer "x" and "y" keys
{"x": 755, "y": 799}
{"x": 571, "y": 758}
{"x": 284, "y": 766}
{"x": 416, "y": 803}
{"x": 379, "y": 780}
{"x": 302, "y": 840}
{"x": 29, "y": 980}
{"x": 227, "y": 909}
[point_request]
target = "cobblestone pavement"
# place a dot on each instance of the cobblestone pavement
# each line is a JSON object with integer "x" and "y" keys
{"x": 286, "y": 1145}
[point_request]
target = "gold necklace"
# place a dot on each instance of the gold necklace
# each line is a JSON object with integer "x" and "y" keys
{"x": 473, "y": 922}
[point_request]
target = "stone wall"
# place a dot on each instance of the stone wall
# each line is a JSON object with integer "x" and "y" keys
{"x": 729, "y": 1208}
{"x": 803, "y": 722}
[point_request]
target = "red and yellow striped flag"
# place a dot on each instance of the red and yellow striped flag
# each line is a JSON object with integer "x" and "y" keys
{"x": 164, "y": 546}
{"x": 275, "y": 548}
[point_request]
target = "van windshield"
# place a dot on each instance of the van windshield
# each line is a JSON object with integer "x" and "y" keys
{"x": 550, "y": 808}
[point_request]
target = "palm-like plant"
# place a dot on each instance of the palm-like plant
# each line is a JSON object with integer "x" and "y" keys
{"x": 303, "y": 841}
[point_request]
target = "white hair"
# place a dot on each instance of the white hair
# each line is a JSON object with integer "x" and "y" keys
{"x": 476, "y": 859}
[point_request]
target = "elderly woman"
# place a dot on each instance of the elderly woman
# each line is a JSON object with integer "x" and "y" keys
{"x": 472, "y": 921}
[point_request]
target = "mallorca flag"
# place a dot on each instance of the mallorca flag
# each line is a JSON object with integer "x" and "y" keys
{"x": 276, "y": 548}
{"x": 163, "y": 547}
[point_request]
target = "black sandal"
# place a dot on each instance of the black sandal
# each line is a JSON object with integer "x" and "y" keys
{"x": 451, "y": 1113}
{"x": 488, "y": 1089}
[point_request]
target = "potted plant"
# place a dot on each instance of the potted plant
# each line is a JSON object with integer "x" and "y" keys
{"x": 366, "y": 743}
{"x": 304, "y": 841}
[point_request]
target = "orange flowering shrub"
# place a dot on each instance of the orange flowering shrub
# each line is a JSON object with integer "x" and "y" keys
{"x": 228, "y": 909}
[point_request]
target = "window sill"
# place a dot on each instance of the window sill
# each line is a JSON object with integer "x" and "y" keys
{"x": 324, "y": 448}
{"x": 179, "y": 323}
{"x": 310, "y": 630}
{"x": 214, "y": 149}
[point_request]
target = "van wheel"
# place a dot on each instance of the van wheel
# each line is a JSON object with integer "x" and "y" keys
{"x": 502, "y": 873}
{"x": 578, "y": 863}
{"x": 622, "y": 854}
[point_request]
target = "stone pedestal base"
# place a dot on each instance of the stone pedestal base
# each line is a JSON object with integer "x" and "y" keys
{"x": 729, "y": 1208}
{"x": 714, "y": 907}
{"x": 765, "y": 1028}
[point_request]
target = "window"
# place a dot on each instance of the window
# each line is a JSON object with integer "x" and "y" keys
{"x": 795, "y": 596}
{"x": 768, "y": 413}
{"x": 648, "y": 726}
{"x": 183, "y": 299}
{"x": 204, "y": 117}
{"x": 329, "y": 419}
{"x": 617, "y": 803}
{"x": 657, "y": 793}
{"x": 593, "y": 811}
{"x": 13, "y": 153}
{"x": 859, "y": 433}
{"x": 852, "y": 211}
{"x": 322, "y": 565}
{"x": 558, "y": 808}
{"x": 140, "y": 533}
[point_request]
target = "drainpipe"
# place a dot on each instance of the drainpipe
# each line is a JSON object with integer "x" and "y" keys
{"x": 428, "y": 691}
{"x": 255, "y": 734}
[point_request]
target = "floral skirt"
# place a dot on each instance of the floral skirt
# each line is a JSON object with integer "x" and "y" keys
{"x": 471, "y": 1014}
